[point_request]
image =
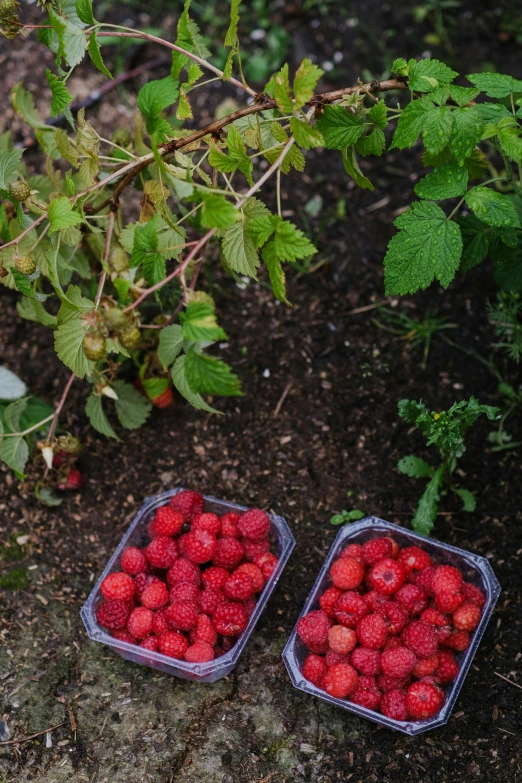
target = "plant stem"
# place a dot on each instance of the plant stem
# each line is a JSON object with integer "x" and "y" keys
{"x": 29, "y": 429}
{"x": 60, "y": 405}
{"x": 103, "y": 276}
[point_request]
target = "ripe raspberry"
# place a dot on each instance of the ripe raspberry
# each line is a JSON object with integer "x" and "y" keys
{"x": 340, "y": 680}
{"x": 313, "y": 629}
{"x": 209, "y": 522}
{"x": 375, "y": 550}
{"x": 19, "y": 190}
{"x": 346, "y": 573}
{"x": 314, "y": 669}
{"x": 73, "y": 480}
{"x": 372, "y": 631}
{"x": 113, "y": 614}
{"x": 239, "y": 587}
{"x": 444, "y": 633}
{"x": 423, "y": 700}
{"x": 182, "y": 616}
{"x": 434, "y": 617}
{"x": 229, "y": 525}
{"x": 267, "y": 562}
{"x": 467, "y": 617}
{"x": 341, "y": 640}
{"x": 124, "y": 636}
{"x": 204, "y": 631}
{"x": 387, "y": 576}
{"x": 118, "y": 585}
{"x": 366, "y": 661}
{"x": 392, "y": 642}
{"x": 413, "y": 558}
{"x": 26, "y": 265}
{"x": 210, "y": 598}
{"x": 214, "y": 577}
{"x": 155, "y": 596}
{"x": 161, "y": 552}
{"x": 448, "y": 667}
{"x": 446, "y": 579}
{"x": 374, "y": 599}
{"x": 332, "y": 658}
{"x": 94, "y": 346}
{"x": 473, "y": 594}
{"x": 424, "y": 580}
{"x": 255, "y": 574}
{"x": 183, "y": 570}
{"x": 425, "y": 666}
{"x": 328, "y": 599}
{"x": 254, "y": 524}
{"x": 184, "y": 591}
{"x": 199, "y": 652}
{"x": 458, "y": 641}
{"x": 159, "y": 624}
{"x": 250, "y": 605}
{"x": 386, "y": 683}
{"x": 412, "y": 598}
{"x": 199, "y": 546}
{"x": 143, "y": 580}
{"x": 167, "y": 522}
{"x": 228, "y": 553}
{"x": 230, "y": 619}
{"x": 367, "y": 697}
{"x": 133, "y": 561}
{"x": 139, "y": 623}
{"x": 448, "y": 602}
{"x": 150, "y": 643}
{"x": 395, "y": 548}
{"x": 188, "y": 503}
{"x": 254, "y": 549}
{"x": 227, "y": 642}
{"x": 394, "y": 615}
{"x": 397, "y": 662}
{"x": 173, "y": 644}
{"x": 420, "y": 638}
{"x": 349, "y": 608}
{"x": 393, "y": 705}
{"x": 355, "y": 551}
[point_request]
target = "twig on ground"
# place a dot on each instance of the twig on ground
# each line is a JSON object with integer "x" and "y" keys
{"x": 32, "y": 736}
{"x": 508, "y": 680}
{"x": 282, "y": 398}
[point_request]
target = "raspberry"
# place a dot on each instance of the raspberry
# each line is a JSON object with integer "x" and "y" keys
{"x": 199, "y": 652}
{"x": 473, "y": 594}
{"x": 420, "y": 638}
{"x": 413, "y": 558}
{"x": 73, "y": 480}
{"x": 255, "y": 574}
{"x": 446, "y": 579}
{"x": 167, "y": 522}
{"x": 159, "y": 624}
{"x": 188, "y": 503}
{"x": 214, "y": 577}
{"x": 26, "y": 265}
{"x": 94, "y": 346}
{"x": 412, "y": 598}
{"x": 394, "y": 615}
{"x": 254, "y": 524}
{"x": 210, "y": 598}
{"x": 199, "y": 545}
{"x": 424, "y": 580}
{"x": 133, "y": 561}
{"x": 239, "y": 587}
{"x": 229, "y": 525}
{"x": 313, "y": 629}
{"x": 155, "y": 596}
{"x": 19, "y": 190}
{"x": 387, "y": 683}
{"x": 374, "y": 599}
{"x": 173, "y": 644}
{"x": 161, "y": 552}
{"x": 267, "y": 562}
{"x": 349, "y": 608}
{"x": 372, "y": 631}
{"x": 367, "y": 681}
{"x": 164, "y": 399}
{"x": 434, "y": 617}
{"x": 393, "y": 705}
{"x": 355, "y": 551}
{"x": 130, "y": 337}
{"x": 397, "y": 662}
{"x": 346, "y": 573}
{"x": 141, "y": 581}
{"x": 328, "y": 599}
{"x": 423, "y": 700}
{"x": 139, "y": 623}
{"x": 340, "y": 680}
{"x": 113, "y": 614}
{"x": 392, "y": 642}
{"x": 448, "y": 667}
{"x": 228, "y": 553}
{"x": 458, "y": 641}
{"x": 387, "y": 576}
{"x": 204, "y": 631}
{"x": 448, "y": 602}
{"x": 253, "y": 549}
{"x": 314, "y": 669}
{"x": 209, "y": 522}
{"x": 183, "y": 570}
{"x": 375, "y": 550}
{"x": 184, "y": 591}
{"x": 124, "y": 636}
{"x": 118, "y": 585}
{"x": 366, "y": 661}
{"x": 150, "y": 643}
{"x": 118, "y": 259}
{"x": 444, "y": 633}
{"x": 332, "y": 658}
{"x": 250, "y": 605}
{"x": 395, "y": 548}
{"x": 8, "y": 8}
{"x": 425, "y": 666}
{"x": 367, "y": 697}
{"x": 341, "y": 640}
{"x": 182, "y": 616}
{"x": 466, "y": 617}
{"x": 229, "y": 619}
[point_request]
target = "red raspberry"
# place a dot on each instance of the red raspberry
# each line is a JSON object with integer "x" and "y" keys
{"x": 413, "y": 558}
{"x": 188, "y": 503}
{"x": 395, "y": 548}
{"x": 392, "y": 642}
{"x": 155, "y": 596}
{"x": 141, "y": 581}
{"x": 161, "y": 552}
{"x": 367, "y": 681}
{"x": 267, "y": 562}
{"x": 372, "y": 631}
{"x": 346, "y": 573}
{"x": 355, "y": 551}
{"x": 229, "y": 525}
{"x": 204, "y": 631}
{"x": 118, "y": 586}
{"x": 167, "y": 522}
{"x": 397, "y": 662}
{"x": 124, "y": 636}
{"x": 314, "y": 669}
{"x": 208, "y": 522}
{"x": 412, "y": 598}
{"x": 199, "y": 545}
{"x": 448, "y": 667}
{"x": 184, "y": 591}
{"x": 395, "y": 616}
{"x": 214, "y": 577}
{"x": 113, "y": 614}
{"x": 424, "y": 580}
{"x": 183, "y": 570}
{"x": 420, "y": 638}
{"x": 446, "y": 579}
{"x": 227, "y": 642}
{"x": 366, "y": 661}
{"x": 328, "y": 599}
{"x": 253, "y": 549}
{"x": 210, "y": 598}
{"x": 448, "y": 602}
{"x": 173, "y": 644}
{"x": 349, "y": 608}
{"x": 255, "y": 574}
{"x": 159, "y": 624}
{"x": 425, "y": 666}
{"x": 367, "y": 697}
{"x": 434, "y": 617}
{"x": 340, "y": 680}
{"x": 341, "y": 640}
{"x": 150, "y": 643}
{"x": 332, "y": 658}
{"x": 387, "y": 576}
{"x": 254, "y": 524}
{"x": 375, "y": 550}
{"x": 228, "y": 553}
{"x": 423, "y": 700}
{"x": 250, "y": 605}
{"x": 444, "y": 633}
{"x": 239, "y": 587}
{"x": 313, "y": 629}
{"x": 393, "y": 705}
{"x": 387, "y": 683}
{"x": 473, "y": 594}
{"x": 133, "y": 561}
{"x": 182, "y": 616}
{"x": 199, "y": 652}
{"x": 230, "y": 619}
{"x": 467, "y": 617}
{"x": 374, "y": 599}
{"x": 139, "y": 623}
{"x": 458, "y": 641}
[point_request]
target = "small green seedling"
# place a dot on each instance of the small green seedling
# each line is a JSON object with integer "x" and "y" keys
{"x": 347, "y": 516}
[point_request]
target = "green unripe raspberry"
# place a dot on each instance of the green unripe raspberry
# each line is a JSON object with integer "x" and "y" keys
{"x": 8, "y": 8}
{"x": 115, "y": 320}
{"x": 118, "y": 259}
{"x": 94, "y": 346}
{"x": 130, "y": 338}
{"x": 19, "y": 190}
{"x": 121, "y": 136}
{"x": 25, "y": 265}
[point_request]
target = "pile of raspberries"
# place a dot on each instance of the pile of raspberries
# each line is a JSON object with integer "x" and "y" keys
{"x": 388, "y": 627}
{"x": 190, "y": 592}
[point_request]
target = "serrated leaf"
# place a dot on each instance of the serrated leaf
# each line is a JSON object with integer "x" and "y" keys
{"x": 156, "y": 96}
{"x": 71, "y": 39}
{"x": 511, "y": 143}
{"x": 411, "y": 123}
{"x": 305, "y": 80}
{"x": 261, "y": 229}
{"x": 373, "y": 144}
{"x": 95, "y": 54}
{"x": 236, "y": 158}
{"x": 84, "y": 11}
{"x": 306, "y": 136}
{"x": 23, "y": 103}
{"x": 217, "y": 212}
{"x": 11, "y": 386}
{"x": 238, "y": 244}
{"x": 492, "y": 112}
{"x": 492, "y": 207}
{"x": 426, "y": 513}
{"x": 73, "y": 304}
{"x": 199, "y": 322}
{"x": 184, "y": 109}
{"x": 26, "y": 286}
{"x": 179, "y": 380}
{"x": 414, "y": 467}
{"x": 495, "y": 85}
{"x": 68, "y": 339}
{"x": 378, "y": 114}
{"x": 132, "y": 408}
{"x": 290, "y": 243}
{"x": 339, "y": 127}
{"x": 426, "y": 75}
{"x": 15, "y": 453}
{"x": 13, "y": 413}
{"x": 61, "y": 97}
{"x": 275, "y": 272}
{"x": 9, "y": 163}
{"x": 145, "y": 252}
{"x": 468, "y": 500}
{"x": 445, "y": 181}
{"x": 399, "y": 67}
{"x": 98, "y": 418}
{"x": 281, "y": 90}
{"x": 207, "y": 375}
{"x": 462, "y": 95}
{"x": 475, "y": 239}
{"x": 32, "y": 310}
{"x": 170, "y": 344}
{"x": 65, "y": 147}
{"x": 466, "y": 132}
{"x": 61, "y": 215}
{"x": 351, "y": 166}
{"x": 294, "y": 157}
{"x": 437, "y": 128}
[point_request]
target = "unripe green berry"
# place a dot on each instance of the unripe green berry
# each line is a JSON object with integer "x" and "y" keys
{"x": 118, "y": 259}
{"x": 25, "y": 265}
{"x": 115, "y": 320}
{"x": 94, "y": 346}
{"x": 130, "y": 338}
{"x": 19, "y": 190}
{"x": 8, "y": 8}
{"x": 121, "y": 136}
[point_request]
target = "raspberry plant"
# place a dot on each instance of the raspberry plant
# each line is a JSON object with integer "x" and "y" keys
{"x": 126, "y": 279}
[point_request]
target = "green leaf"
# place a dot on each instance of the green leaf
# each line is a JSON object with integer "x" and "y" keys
{"x": 73, "y": 304}
{"x": 231, "y": 38}
{"x": 11, "y": 386}
{"x": 98, "y": 418}
{"x": 170, "y": 344}
{"x": 468, "y": 501}
{"x": 411, "y": 123}
{"x": 463, "y": 95}
{"x": 279, "y": 86}
{"x": 199, "y": 322}
{"x": 426, "y": 75}
{"x": 437, "y": 128}
{"x": 373, "y": 144}
{"x": 179, "y": 378}
{"x": 275, "y": 272}
{"x": 61, "y": 97}
{"x": 261, "y": 229}
{"x": 95, "y": 53}
{"x": 217, "y": 212}
{"x": 9, "y": 163}
{"x": 156, "y": 96}
{"x": 492, "y": 207}
{"x": 466, "y": 133}
{"x": 32, "y": 310}
{"x": 26, "y": 286}
{"x": 84, "y": 11}
{"x": 184, "y": 39}
{"x": 305, "y": 81}
{"x": 290, "y": 243}
{"x": 61, "y": 215}
{"x": 15, "y": 453}
{"x": 71, "y": 39}
{"x": 236, "y": 159}
{"x": 145, "y": 252}
{"x": 13, "y": 414}
{"x": 426, "y": 513}
{"x": 306, "y": 136}
{"x": 68, "y": 339}
{"x": 508, "y": 266}
{"x": 66, "y": 149}
{"x": 378, "y": 114}
{"x": 399, "y": 67}
{"x": 132, "y": 408}
{"x": 238, "y": 244}
{"x": 207, "y": 375}
{"x": 445, "y": 181}
{"x": 339, "y": 127}
{"x": 346, "y": 516}
{"x": 511, "y": 143}
{"x": 414, "y": 467}
{"x": 23, "y": 103}
{"x": 351, "y": 166}
{"x": 428, "y": 246}
{"x": 475, "y": 239}
{"x": 495, "y": 85}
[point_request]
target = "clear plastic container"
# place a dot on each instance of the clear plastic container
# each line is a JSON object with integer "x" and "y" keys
{"x": 282, "y": 544}
{"x": 475, "y": 569}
